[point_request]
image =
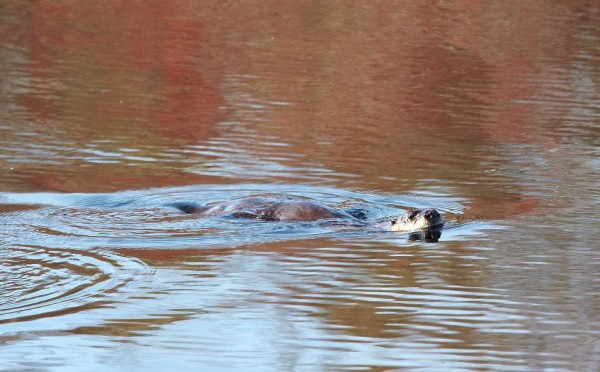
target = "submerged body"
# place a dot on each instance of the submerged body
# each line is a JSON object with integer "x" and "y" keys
{"x": 296, "y": 210}
{"x": 268, "y": 210}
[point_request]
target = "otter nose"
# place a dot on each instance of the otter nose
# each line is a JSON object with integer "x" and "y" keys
{"x": 431, "y": 213}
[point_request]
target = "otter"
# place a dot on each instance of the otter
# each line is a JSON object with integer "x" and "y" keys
{"x": 296, "y": 210}
{"x": 416, "y": 219}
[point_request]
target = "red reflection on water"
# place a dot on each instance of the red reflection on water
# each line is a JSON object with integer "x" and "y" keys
{"x": 149, "y": 71}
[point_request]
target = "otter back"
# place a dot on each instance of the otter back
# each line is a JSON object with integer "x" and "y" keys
{"x": 264, "y": 209}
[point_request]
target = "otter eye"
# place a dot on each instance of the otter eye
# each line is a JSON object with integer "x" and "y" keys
{"x": 393, "y": 222}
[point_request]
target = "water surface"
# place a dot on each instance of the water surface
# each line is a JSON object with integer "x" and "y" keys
{"x": 486, "y": 111}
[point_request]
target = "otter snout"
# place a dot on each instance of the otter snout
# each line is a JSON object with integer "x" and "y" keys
{"x": 433, "y": 217}
{"x": 431, "y": 214}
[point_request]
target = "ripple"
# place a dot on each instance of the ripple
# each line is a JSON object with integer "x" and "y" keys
{"x": 38, "y": 282}
{"x": 143, "y": 219}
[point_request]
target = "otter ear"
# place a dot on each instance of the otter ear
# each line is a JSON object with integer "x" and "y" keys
{"x": 393, "y": 222}
{"x": 412, "y": 214}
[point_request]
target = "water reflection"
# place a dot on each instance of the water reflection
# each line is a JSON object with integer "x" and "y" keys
{"x": 428, "y": 236}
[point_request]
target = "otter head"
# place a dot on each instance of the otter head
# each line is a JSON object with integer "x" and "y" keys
{"x": 417, "y": 219}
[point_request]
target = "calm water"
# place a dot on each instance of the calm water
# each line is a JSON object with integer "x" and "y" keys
{"x": 110, "y": 111}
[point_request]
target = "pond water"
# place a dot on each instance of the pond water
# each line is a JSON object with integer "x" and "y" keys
{"x": 112, "y": 111}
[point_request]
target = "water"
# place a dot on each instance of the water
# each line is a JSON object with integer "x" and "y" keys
{"x": 112, "y": 111}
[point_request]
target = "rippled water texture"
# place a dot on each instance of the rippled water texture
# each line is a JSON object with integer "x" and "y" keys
{"x": 113, "y": 112}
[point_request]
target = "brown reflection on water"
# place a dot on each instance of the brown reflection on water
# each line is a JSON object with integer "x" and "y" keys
{"x": 406, "y": 102}
{"x": 360, "y": 287}
{"x": 113, "y": 75}
{"x": 385, "y": 92}
{"x": 95, "y": 73}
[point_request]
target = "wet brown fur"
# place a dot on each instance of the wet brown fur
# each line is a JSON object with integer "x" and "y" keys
{"x": 267, "y": 210}
{"x": 296, "y": 210}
